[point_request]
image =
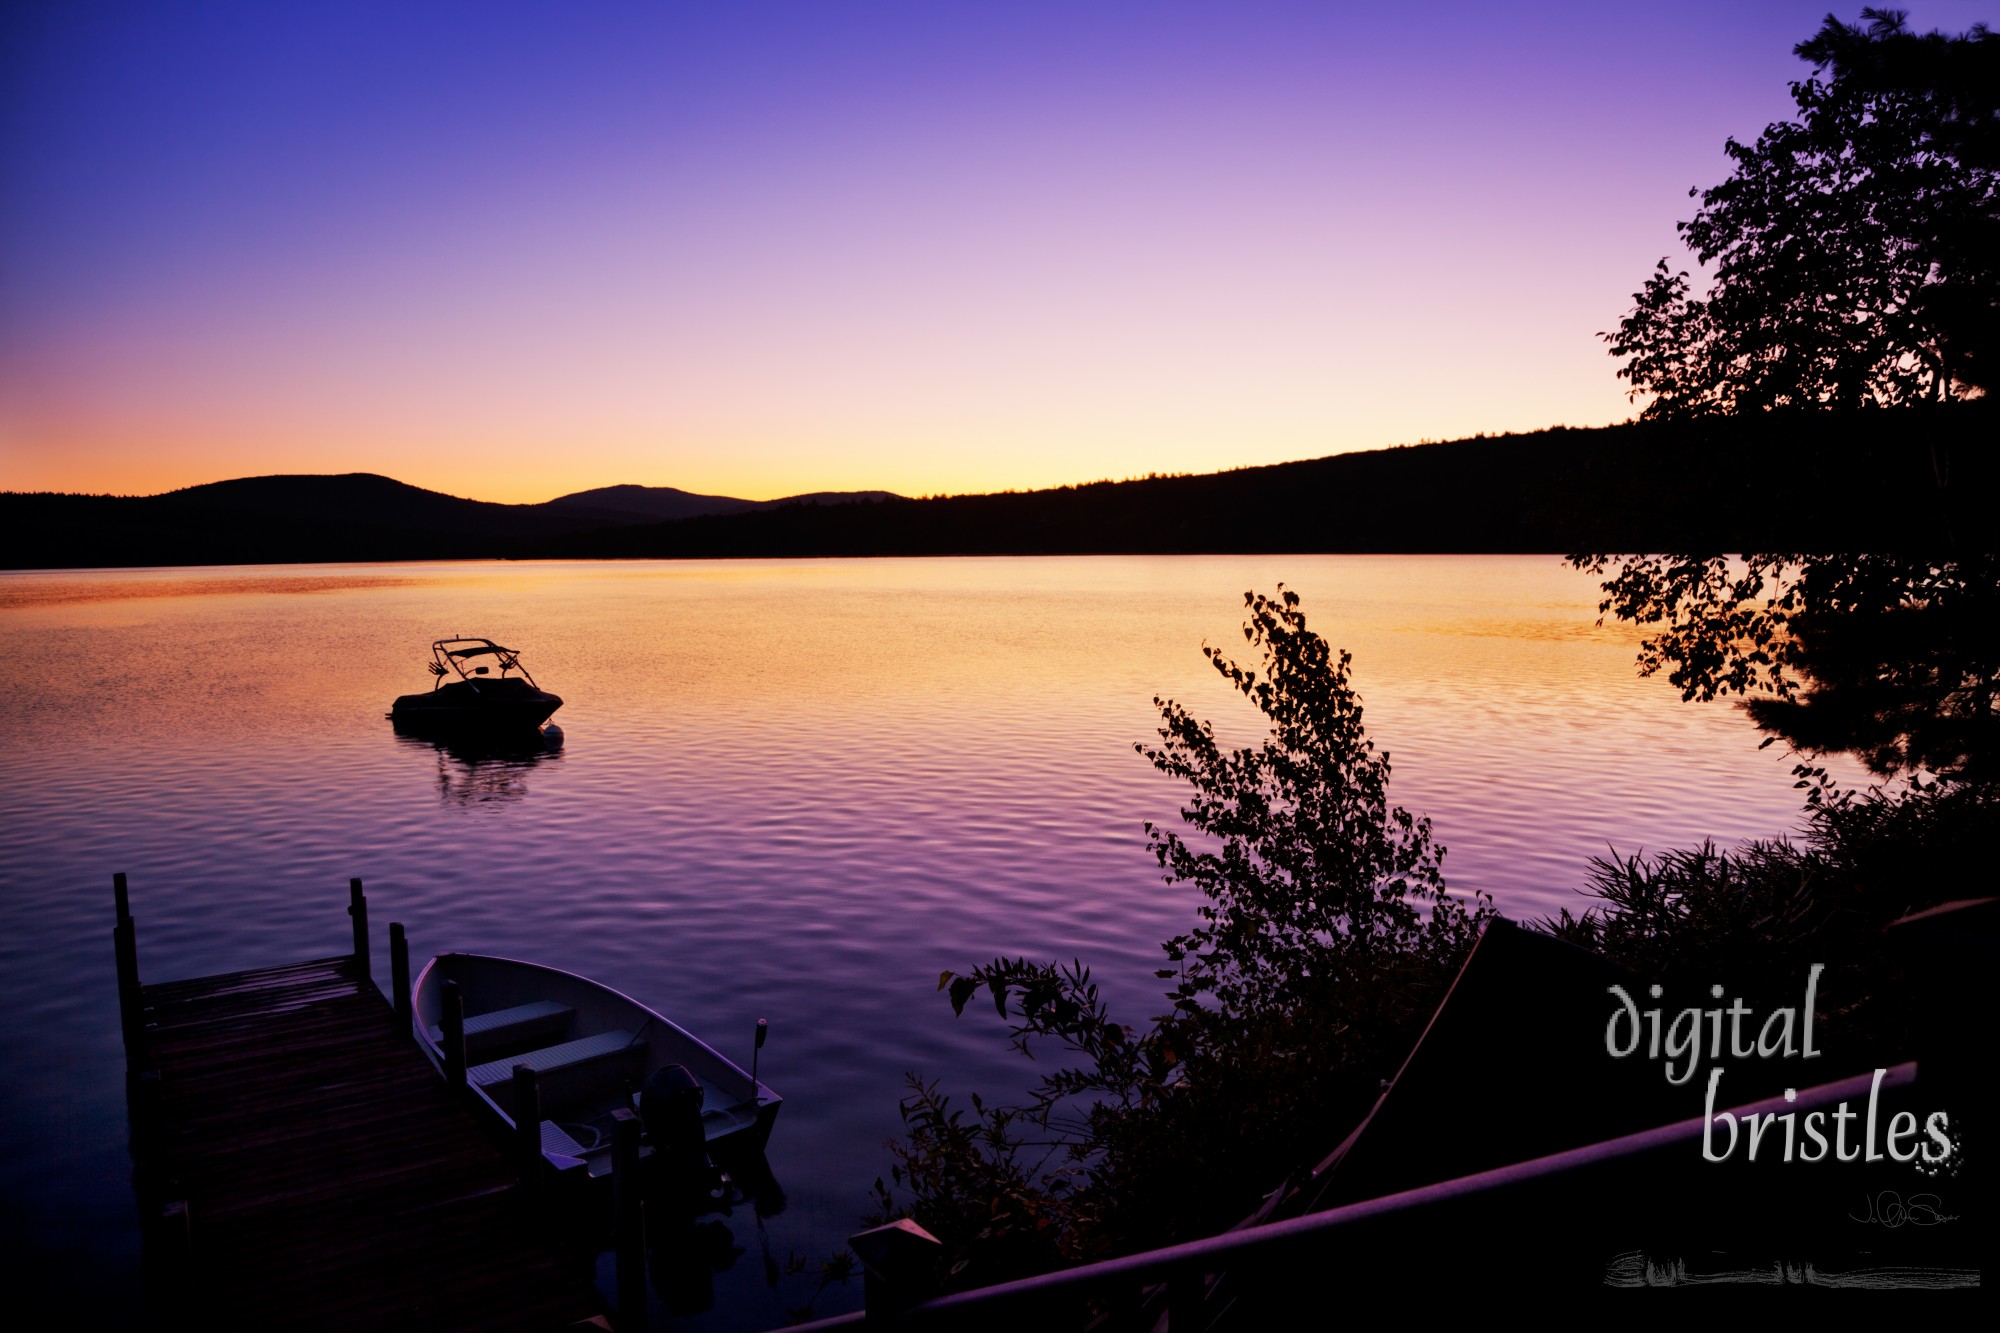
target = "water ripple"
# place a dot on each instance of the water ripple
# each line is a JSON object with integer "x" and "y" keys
{"x": 791, "y": 790}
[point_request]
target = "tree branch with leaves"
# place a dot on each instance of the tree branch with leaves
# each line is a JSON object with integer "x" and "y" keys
{"x": 1325, "y": 938}
{"x": 1852, "y": 251}
{"x": 1893, "y": 658}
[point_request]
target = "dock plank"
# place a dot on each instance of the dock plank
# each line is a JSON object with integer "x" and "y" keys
{"x": 331, "y": 1179}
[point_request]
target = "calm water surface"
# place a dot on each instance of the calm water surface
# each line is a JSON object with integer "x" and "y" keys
{"x": 790, "y": 790}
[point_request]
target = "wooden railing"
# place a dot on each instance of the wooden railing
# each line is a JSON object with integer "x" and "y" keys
{"x": 1364, "y": 1244}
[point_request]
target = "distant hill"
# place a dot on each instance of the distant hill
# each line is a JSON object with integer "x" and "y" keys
{"x": 651, "y": 504}
{"x": 657, "y": 504}
{"x": 260, "y": 520}
{"x": 313, "y": 519}
{"x": 1778, "y": 481}
{"x": 1800, "y": 481}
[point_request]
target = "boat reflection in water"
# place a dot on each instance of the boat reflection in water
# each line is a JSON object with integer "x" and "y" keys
{"x": 486, "y": 718}
{"x": 686, "y": 1248}
{"x": 475, "y": 768}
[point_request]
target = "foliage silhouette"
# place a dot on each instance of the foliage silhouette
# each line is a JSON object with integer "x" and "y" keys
{"x": 1894, "y": 658}
{"x": 1765, "y": 912}
{"x": 1853, "y": 250}
{"x": 1326, "y": 938}
{"x": 1315, "y": 873}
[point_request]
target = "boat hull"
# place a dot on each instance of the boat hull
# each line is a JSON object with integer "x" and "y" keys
{"x": 496, "y": 706}
{"x": 592, "y": 1049}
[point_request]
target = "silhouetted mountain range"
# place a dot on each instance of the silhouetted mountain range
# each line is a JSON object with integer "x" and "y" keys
{"x": 1822, "y": 481}
{"x": 657, "y": 504}
{"x": 307, "y": 519}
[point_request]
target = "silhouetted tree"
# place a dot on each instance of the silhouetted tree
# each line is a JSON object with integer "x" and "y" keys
{"x": 1309, "y": 872}
{"x": 1853, "y": 251}
{"x": 1894, "y": 658}
{"x": 1325, "y": 938}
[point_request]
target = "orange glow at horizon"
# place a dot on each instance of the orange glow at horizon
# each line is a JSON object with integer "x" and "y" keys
{"x": 523, "y": 475}
{"x": 966, "y": 249}
{"x": 1081, "y": 437}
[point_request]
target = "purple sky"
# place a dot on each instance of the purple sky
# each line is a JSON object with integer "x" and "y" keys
{"x": 509, "y": 250}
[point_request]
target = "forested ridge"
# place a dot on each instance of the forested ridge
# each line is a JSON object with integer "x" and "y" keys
{"x": 1866, "y": 479}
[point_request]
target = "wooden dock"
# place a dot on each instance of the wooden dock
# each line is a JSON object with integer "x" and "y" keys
{"x": 300, "y": 1164}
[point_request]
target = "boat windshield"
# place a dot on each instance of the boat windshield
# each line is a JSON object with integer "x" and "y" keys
{"x": 474, "y": 658}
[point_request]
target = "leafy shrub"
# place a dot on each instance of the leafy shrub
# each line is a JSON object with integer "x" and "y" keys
{"x": 1773, "y": 908}
{"x": 1326, "y": 938}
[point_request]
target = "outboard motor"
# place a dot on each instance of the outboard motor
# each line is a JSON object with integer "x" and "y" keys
{"x": 670, "y": 1109}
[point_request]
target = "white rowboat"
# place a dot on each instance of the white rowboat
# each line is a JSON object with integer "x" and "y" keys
{"x": 591, "y": 1048}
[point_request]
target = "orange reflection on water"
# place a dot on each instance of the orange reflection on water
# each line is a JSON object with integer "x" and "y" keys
{"x": 48, "y": 589}
{"x": 972, "y": 707}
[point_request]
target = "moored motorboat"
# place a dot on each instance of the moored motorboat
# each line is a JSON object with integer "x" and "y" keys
{"x": 594, "y": 1052}
{"x": 479, "y": 687}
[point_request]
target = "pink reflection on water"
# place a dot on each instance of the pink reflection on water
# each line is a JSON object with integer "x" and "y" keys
{"x": 790, "y": 789}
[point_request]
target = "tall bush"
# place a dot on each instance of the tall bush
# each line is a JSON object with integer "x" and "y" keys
{"x": 1325, "y": 937}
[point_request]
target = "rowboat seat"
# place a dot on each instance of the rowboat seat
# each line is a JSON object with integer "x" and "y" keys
{"x": 519, "y": 1015}
{"x": 553, "y": 1059}
{"x": 522, "y": 1025}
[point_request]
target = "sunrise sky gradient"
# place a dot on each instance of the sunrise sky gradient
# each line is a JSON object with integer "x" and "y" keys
{"x": 512, "y": 250}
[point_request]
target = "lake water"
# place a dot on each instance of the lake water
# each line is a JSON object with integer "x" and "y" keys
{"x": 791, "y": 790}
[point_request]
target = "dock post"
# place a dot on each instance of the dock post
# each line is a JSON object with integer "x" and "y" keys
{"x": 900, "y": 1267}
{"x": 174, "y": 1231}
{"x": 167, "y": 1250}
{"x": 120, "y": 896}
{"x": 399, "y": 977}
{"x": 528, "y": 1128}
{"x": 357, "y": 907}
{"x": 131, "y": 1010}
{"x": 142, "y": 1110}
{"x": 628, "y": 1221}
{"x": 453, "y": 1022}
